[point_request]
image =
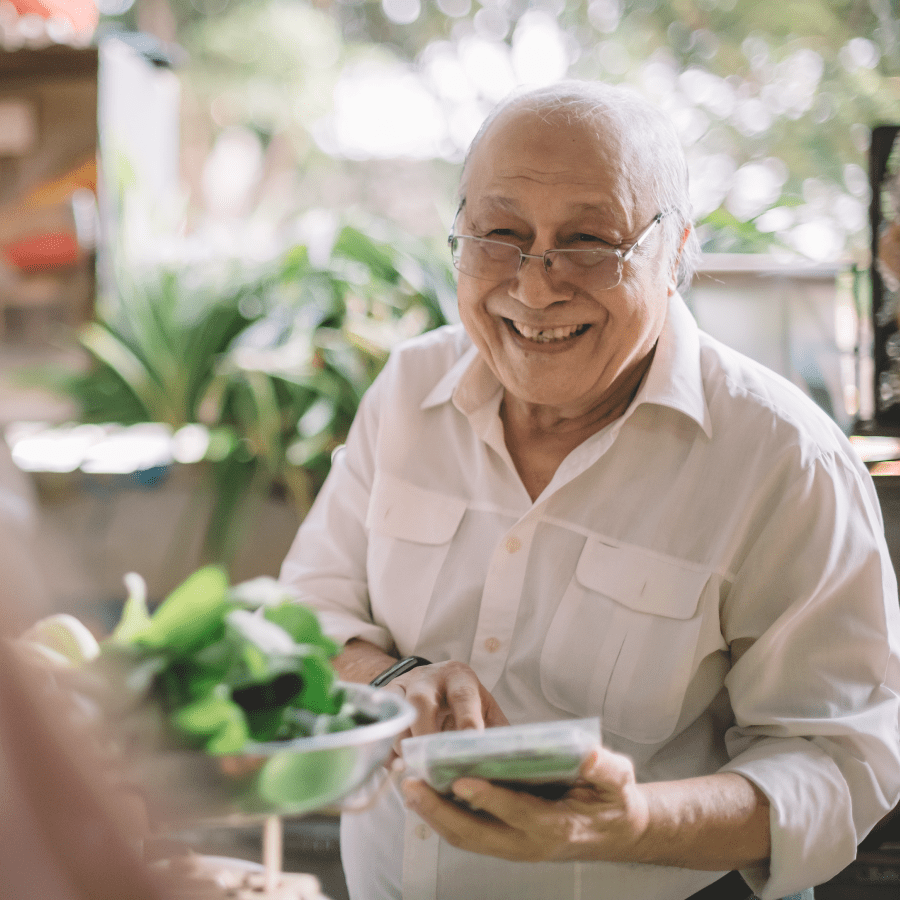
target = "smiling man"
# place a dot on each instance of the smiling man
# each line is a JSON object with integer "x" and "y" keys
{"x": 567, "y": 336}
{"x": 576, "y": 504}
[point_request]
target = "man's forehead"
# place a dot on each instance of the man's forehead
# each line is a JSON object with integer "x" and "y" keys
{"x": 555, "y": 117}
{"x": 478, "y": 202}
{"x": 525, "y": 149}
{"x": 598, "y": 126}
{"x": 521, "y": 134}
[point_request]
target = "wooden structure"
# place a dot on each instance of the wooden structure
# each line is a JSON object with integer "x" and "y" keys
{"x": 48, "y": 188}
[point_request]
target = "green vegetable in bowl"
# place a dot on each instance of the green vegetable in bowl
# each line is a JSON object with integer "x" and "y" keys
{"x": 295, "y": 778}
{"x": 227, "y": 667}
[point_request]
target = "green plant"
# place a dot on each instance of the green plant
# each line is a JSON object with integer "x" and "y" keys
{"x": 272, "y": 362}
{"x": 226, "y": 665}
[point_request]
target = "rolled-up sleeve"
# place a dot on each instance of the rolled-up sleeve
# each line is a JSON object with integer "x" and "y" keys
{"x": 813, "y": 622}
{"x": 326, "y": 564}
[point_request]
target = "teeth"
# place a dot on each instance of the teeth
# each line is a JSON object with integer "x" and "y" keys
{"x": 544, "y": 335}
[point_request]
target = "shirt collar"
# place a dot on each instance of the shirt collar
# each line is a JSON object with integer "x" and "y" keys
{"x": 469, "y": 383}
{"x": 674, "y": 378}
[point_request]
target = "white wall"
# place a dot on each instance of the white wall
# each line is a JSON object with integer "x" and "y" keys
{"x": 785, "y": 316}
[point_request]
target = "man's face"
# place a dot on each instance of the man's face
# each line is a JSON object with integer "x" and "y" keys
{"x": 541, "y": 183}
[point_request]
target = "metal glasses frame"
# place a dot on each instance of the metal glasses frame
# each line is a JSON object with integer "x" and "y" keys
{"x": 622, "y": 256}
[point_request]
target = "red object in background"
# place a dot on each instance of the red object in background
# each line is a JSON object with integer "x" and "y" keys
{"x": 43, "y": 251}
{"x": 82, "y": 14}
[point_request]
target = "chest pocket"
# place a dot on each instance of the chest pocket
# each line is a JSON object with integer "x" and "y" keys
{"x": 623, "y": 641}
{"x": 410, "y": 531}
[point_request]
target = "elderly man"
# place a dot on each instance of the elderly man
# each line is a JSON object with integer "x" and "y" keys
{"x": 576, "y": 504}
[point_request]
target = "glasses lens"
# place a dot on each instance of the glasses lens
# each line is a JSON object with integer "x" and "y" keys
{"x": 484, "y": 259}
{"x": 498, "y": 261}
{"x": 598, "y": 269}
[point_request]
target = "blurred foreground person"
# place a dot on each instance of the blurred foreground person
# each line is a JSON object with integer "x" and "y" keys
{"x": 67, "y": 830}
{"x": 23, "y": 589}
{"x": 62, "y": 836}
{"x": 577, "y": 504}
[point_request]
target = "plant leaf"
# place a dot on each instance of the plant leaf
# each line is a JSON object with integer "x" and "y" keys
{"x": 302, "y": 624}
{"x": 191, "y": 616}
{"x": 135, "y": 615}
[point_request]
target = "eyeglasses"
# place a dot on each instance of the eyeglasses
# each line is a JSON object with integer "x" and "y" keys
{"x": 598, "y": 268}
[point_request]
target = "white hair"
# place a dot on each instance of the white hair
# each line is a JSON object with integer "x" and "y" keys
{"x": 641, "y": 125}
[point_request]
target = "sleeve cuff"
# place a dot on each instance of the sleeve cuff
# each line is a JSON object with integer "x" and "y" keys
{"x": 811, "y": 822}
{"x": 343, "y": 628}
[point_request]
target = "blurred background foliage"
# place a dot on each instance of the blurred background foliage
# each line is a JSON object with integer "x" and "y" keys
{"x": 268, "y": 362}
{"x": 261, "y": 298}
{"x": 372, "y": 102}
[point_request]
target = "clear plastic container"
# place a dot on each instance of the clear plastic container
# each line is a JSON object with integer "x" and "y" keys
{"x": 541, "y": 758}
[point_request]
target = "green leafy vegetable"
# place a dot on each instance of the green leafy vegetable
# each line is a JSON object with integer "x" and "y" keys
{"x": 216, "y": 720}
{"x": 302, "y": 625}
{"x": 293, "y": 778}
{"x": 228, "y": 666}
{"x": 191, "y": 616}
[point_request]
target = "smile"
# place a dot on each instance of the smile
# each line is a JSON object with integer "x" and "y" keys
{"x": 546, "y": 335}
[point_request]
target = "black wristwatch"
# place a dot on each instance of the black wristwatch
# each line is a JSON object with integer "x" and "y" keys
{"x": 398, "y": 668}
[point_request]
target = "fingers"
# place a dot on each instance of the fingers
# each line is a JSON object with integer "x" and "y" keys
{"x": 464, "y": 699}
{"x": 602, "y": 817}
{"x": 395, "y": 747}
{"x": 463, "y": 828}
{"x": 607, "y": 772}
{"x": 496, "y": 821}
{"x": 395, "y": 754}
{"x": 448, "y": 696}
{"x": 429, "y": 715}
{"x": 510, "y": 807}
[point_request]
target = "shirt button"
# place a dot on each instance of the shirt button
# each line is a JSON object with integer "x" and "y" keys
{"x": 492, "y": 645}
{"x": 513, "y": 544}
{"x": 423, "y": 832}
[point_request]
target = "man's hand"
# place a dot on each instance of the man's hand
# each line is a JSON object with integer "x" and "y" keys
{"x": 447, "y": 696}
{"x": 604, "y": 816}
{"x": 716, "y": 822}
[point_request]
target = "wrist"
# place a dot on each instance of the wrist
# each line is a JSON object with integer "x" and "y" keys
{"x": 711, "y": 822}
{"x": 360, "y": 661}
{"x": 646, "y": 825}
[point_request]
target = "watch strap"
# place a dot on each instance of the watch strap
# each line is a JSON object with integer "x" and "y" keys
{"x": 398, "y": 668}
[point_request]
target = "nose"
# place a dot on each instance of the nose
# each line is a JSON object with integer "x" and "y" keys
{"x": 533, "y": 286}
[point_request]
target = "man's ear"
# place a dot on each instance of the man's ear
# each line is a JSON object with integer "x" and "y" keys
{"x": 673, "y": 272}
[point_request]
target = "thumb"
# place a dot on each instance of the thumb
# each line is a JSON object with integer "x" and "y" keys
{"x": 607, "y": 770}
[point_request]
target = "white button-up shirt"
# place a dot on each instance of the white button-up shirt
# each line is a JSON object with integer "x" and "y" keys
{"x": 707, "y": 574}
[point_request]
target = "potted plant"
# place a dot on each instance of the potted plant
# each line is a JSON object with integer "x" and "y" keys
{"x": 271, "y": 362}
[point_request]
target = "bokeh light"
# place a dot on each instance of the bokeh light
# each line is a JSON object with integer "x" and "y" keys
{"x": 232, "y": 171}
{"x": 403, "y": 12}
{"x": 859, "y": 53}
{"x": 604, "y": 15}
{"x": 454, "y": 8}
{"x": 538, "y": 50}
{"x": 384, "y": 111}
{"x": 488, "y": 66}
{"x": 613, "y": 57}
{"x": 491, "y": 23}
{"x": 755, "y": 187}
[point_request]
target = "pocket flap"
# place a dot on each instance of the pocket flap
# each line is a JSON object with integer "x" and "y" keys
{"x": 642, "y": 582}
{"x": 412, "y": 513}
